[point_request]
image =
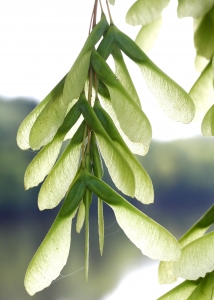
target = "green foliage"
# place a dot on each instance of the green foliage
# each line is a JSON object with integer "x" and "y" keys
{"x": 99, "y": 109}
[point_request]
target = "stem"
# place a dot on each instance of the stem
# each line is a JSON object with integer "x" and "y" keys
{"x": 101, "y": 7}
{"x": 93, "y": 16}
{"x": 109, "y": 13}
{"x": 87, "y": 206}
{"x": 96, "y": 81}
{"x": 83, "y": 148}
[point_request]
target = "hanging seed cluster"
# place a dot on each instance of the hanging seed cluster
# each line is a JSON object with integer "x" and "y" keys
{"x": 99, "y": 111}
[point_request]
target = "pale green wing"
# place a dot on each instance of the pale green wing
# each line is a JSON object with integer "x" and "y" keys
{"x": 53, "y": 114}
{"x": 118, "y": 167}
{"x": 204, "y": 35}
{"x": 52, "y": 254}
{"x": 196, "y": 258}
{"x": 193, "y": 8}
{"x": 50, "y": 257}
{"x": 122, "y": 73}
{"x": 180, "y": 292}
{"x": 205, "y": 289}
{"x": 136, "y": 148}
{"x": 80, "y": 217}
{"x": 143, "y": 12}
{"x": 199, "y": 228}
{"x": 213, "y": 65}
{"x": 202, "y": 92}
{"x": 59, "y": 179}
{"x": 172, "y": 98}
{"x": 207, "y": 126}
{"x": 165, "y": 271}
{"x": 148, "y": 34}
{"x": 27, "y": 123}
{"x": 143, "y": 185}
{"x": 125, "y": 107}
{"x": 138, "y": 227}
{"x": 43, "y": 162}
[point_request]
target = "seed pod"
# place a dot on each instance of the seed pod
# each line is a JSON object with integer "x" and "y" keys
{"x": 107, "y": 43}
{"x": 144, "y": 191}
{"x": 96, "y": 158}
{"x": 87, "y": 202}
{"x": 118, "y": 167}
{"x": 138, "y": 227}
{"x": 124, "y": 106}
{"x": 74, "y": 196}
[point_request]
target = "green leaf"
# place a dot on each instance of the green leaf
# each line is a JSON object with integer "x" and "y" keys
{"x": 122, "y": 73}
{"x": 143, "y": 185}
{"x": 124, "y": 106}
{"x": 193, "y": 8}
{"x": 117, "y": 165}
{"x": 57, "y": 183}
{"x": 172, "y": 98}
{"x": 180, "y": 292}
{"x": 205, "y": 288}
{"x": 196, "y": 258}
{"x": 165, "y": 271}
{"x": 26, "y": 125}
{"x": 204, "y": 35}
{"x": 202, "y": 92}
{"x": 80, "y": 217}
{"x": 50, "y": 257}
{"x": 138, "y": 227}
{"x": 148, "y": 34}
{"x": 207, "y": 126}
{"x": 112, "y": 2}
{"x": 143, "y": 12}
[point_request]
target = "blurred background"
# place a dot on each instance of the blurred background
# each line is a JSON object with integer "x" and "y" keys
{"x": 40, "y": 41}
{"x": 182, "y": 172}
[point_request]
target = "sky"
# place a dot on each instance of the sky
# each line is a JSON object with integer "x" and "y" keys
{"x": 40, "y": 40}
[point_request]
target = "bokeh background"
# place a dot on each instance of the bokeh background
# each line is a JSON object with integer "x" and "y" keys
{"x": 39, "y": 42}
